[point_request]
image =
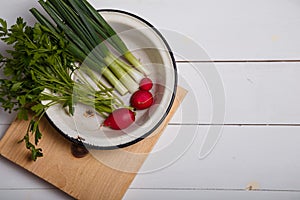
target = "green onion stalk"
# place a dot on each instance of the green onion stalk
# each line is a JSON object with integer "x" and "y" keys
{"x": 88, "y": 32}
{"x": 107, "y": 32}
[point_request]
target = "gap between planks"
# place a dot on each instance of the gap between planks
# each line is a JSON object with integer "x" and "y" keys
{"x": 215, "y": 189}
{"x": 237, "y": 61}
{"x": 213, "y": 124}
{"x": 171, "y": 189}
{"x": 231, "y": 124}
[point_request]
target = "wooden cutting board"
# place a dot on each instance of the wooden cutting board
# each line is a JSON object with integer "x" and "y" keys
{"x": 84, "y": 178}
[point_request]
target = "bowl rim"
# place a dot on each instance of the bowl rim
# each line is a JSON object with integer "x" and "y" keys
{"x": 80, "y": 142}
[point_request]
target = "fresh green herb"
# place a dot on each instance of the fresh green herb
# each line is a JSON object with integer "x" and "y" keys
{"x": 39, "y": 74}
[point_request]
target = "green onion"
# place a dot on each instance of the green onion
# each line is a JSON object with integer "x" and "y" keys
{"x": 72, "y": 17}
{"x": 121, "y": 74}
{"x": 111, "y": 36}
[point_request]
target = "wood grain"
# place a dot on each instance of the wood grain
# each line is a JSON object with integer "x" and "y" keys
{"x": 221, "y": 30}
{"x": 255, "y": 93}
{"x": 84, "y": 178}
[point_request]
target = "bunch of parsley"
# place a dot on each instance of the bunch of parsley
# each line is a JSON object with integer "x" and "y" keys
{"x": 40, "y": 61}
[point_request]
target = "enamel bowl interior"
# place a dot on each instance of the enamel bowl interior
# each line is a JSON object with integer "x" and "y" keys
{"x": 149, "y": 46}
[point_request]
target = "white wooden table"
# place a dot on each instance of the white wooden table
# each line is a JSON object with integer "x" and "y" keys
{"x": 255, "y": 48}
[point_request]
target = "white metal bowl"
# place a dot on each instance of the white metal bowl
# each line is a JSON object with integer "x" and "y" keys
{"x": 151, "y": 48}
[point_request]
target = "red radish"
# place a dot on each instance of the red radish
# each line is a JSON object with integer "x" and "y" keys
{"x": 146, "y": 84}
{"x": 141, "y": 99}
{"x": 119, "y": 119}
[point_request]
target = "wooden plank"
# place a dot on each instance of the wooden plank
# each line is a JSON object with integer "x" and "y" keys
{"x": 33, "y": 194}
{"x": 3, "y": 129}
{"x": 14, "y": 177}
{"x": 209, "y": 30}
{"x": 75, "y": 176}
{"x": 268, "y": 158}
{"x": 254, "y": 93}
{"x": 225, "y": 30}
{"x": 265, "y": 157}
{"x": 150, "y": 194}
